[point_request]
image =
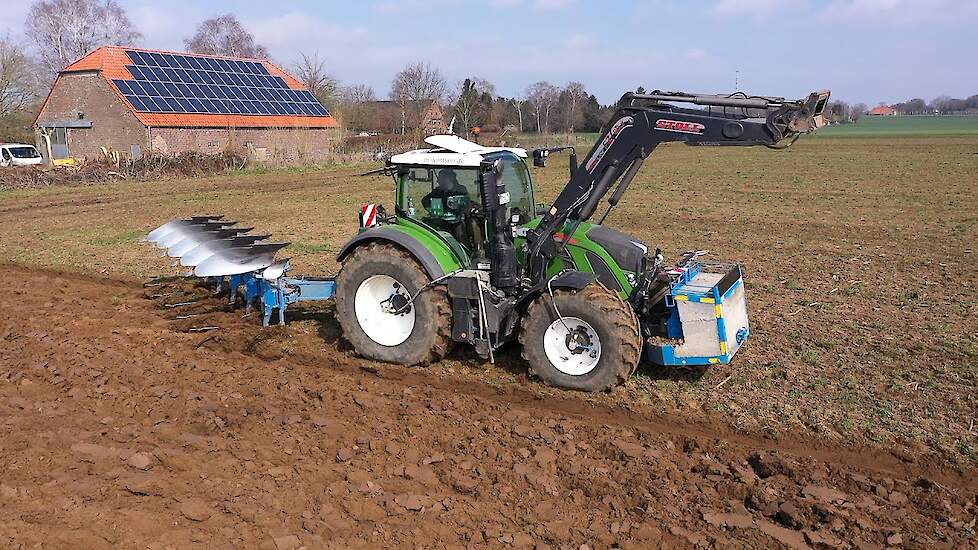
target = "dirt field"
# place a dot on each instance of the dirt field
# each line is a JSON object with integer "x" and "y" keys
{"x": 848, "y": 418}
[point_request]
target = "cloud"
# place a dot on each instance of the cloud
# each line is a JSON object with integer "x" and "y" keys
{"x": 165, "y": 28}
{"x": 579, "y": 41}
{"x": 552, "y": 5}
{"x": 414, "y": 6}
{"x": 756, "y": 8}
{"x": 898, "y": 12}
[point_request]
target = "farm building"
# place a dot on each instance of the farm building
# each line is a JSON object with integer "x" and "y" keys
{"x": 882, "y": 110}
{"x": 133, "y": 100}
{"x": 391, "y": 117}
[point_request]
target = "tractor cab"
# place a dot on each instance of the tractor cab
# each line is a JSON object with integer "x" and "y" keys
{"x": 439, "y": 189}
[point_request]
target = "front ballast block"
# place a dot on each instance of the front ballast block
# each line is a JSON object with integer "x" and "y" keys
{"x": 707, "y": 319}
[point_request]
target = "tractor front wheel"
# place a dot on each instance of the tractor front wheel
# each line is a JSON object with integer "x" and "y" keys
{"x": 374, "y": 306}
{"x": 593, "y": 345}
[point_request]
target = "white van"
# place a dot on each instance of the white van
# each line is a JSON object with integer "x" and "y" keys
{"x": 19, "y": 154}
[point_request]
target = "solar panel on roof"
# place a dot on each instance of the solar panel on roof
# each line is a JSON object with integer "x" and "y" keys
{"x": 172, "y": 83}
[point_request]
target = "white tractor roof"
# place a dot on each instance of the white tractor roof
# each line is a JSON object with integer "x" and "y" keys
{"x": 452, "y": 151}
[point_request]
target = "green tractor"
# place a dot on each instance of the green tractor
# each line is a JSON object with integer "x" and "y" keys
{"x": 469, "y": 257}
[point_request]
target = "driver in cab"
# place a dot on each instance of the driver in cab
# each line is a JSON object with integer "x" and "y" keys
{"x": 437, "y": 202}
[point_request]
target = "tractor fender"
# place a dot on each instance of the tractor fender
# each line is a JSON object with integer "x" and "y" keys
{"x": 400, "y": 239}
{"x": 571, "y": 279}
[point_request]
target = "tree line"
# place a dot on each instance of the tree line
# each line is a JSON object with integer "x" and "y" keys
{"x": 841, "y": 112}
{"x": 943, "y": 105}
{"x": 58, "y": 32}
{"x": 471, "y": 103}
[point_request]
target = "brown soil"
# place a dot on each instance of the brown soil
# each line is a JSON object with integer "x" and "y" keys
{"x": 123, "y": 429}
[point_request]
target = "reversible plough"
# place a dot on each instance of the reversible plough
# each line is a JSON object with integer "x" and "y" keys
{"x": 227, "y": 257}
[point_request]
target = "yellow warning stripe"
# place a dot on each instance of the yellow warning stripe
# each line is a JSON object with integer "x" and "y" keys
{"x": 719, "y": 311}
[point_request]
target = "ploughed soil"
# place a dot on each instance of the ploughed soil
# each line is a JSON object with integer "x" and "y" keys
{"x": 126, "y": 427}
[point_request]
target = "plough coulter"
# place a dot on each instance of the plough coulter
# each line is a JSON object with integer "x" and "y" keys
{"x": 468, "y": 257}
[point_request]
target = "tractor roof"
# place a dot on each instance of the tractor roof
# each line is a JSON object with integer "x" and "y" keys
{"x": 452, "y": 151}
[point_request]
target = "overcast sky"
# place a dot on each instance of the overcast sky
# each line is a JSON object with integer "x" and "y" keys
{"x": 863, "y": 50}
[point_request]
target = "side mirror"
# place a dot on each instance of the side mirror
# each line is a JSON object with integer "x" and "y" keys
{"x": 540, "y": 157}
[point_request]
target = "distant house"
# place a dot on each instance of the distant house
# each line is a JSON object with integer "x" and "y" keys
{"x": 390, "y": 117}
{"x": 133, "y": 100}
{"x": 882, "y": 110}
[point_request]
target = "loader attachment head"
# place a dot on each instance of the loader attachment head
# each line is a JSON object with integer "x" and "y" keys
{"x": 809, "y": 116}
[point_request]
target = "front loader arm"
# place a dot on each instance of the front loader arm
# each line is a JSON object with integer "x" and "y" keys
{"x": 641, "y": 122}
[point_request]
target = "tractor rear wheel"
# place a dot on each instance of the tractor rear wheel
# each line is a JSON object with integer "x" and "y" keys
{"x": 373, "y": 305}
{"x": 594, "y": 345}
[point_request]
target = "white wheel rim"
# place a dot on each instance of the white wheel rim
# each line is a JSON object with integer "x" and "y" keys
{"x": 584, "y": 351}
{"x": 376, "y": 314}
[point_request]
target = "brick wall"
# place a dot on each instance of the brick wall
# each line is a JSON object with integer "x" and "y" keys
{"x": 113, "y": 124}
{"x": 275, "y": 144}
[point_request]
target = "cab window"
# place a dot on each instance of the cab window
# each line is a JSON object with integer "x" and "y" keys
{"x": 516, "y": 178}
{"x": 436, "y": 193}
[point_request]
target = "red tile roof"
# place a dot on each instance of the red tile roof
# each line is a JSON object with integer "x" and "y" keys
{"x": 882, "y": 110}
{"x": 111, "y": 61}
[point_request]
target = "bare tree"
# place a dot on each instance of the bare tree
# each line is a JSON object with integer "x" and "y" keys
{"x": 415, "y": 88}
{"x": 838, "y": 112}
{"x": 225, "y": 35}
{"x": 574, "y": 95}
{"x": 311, "y": 71}
{"x": 353, "y": 109}
{"x": 518, "y": 105}
{"x": 941, "y": 103}
{"x": 541, "y": 97}
{"x": 18, "y": 89}
{"x": 64, "y": 30}
{"x": 474, "y": 104}
{"x": 359, "y": 93}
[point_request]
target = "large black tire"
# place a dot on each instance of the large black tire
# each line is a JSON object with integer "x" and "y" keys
{"x": 431, "y": 336}
{"x": 613, "y": 321}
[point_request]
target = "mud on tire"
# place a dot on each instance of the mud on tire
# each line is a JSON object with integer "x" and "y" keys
{"x": 430, "y": 338}
{"x": 611, "y": 318}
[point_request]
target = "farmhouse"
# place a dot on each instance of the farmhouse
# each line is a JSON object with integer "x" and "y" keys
{"x": 882, "y": 110}
{"x": 132, "y": 100}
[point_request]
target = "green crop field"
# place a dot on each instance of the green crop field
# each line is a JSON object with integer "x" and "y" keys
{"x": 893, "y": 126}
